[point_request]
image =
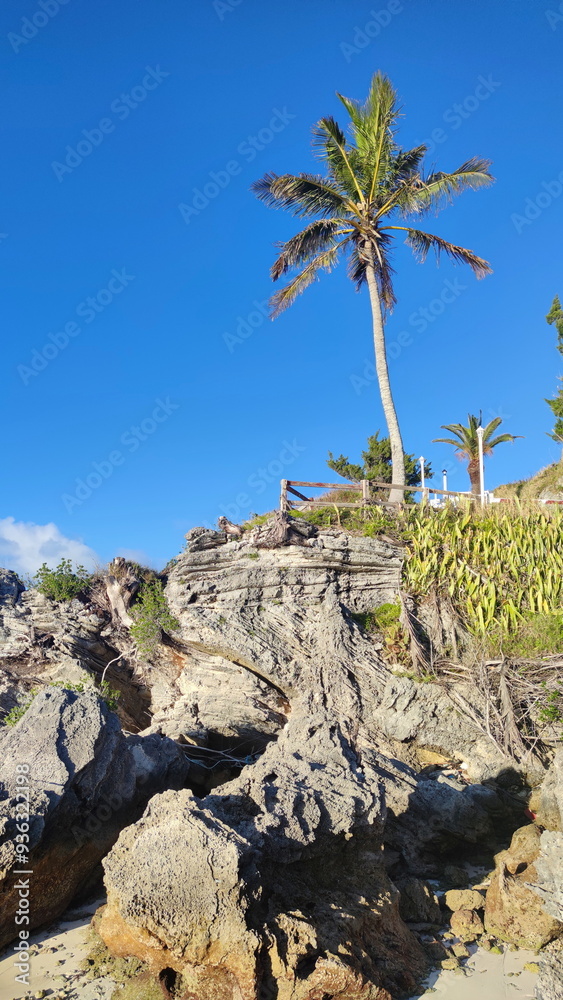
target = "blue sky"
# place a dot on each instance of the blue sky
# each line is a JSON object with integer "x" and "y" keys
{"x": 137, "y": 353}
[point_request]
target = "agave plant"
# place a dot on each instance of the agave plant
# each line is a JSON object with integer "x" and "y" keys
{"x": 466, "y": 442}
{"x": 371, "y": 194}
{"x": 497, "y": 565}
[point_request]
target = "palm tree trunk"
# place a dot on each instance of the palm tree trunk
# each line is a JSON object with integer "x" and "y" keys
{"x": 474, "y": 476}
{"x": 381, "y": 367}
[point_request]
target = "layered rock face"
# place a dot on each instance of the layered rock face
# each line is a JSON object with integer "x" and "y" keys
{"x": 274, "y": 884}
{"x": 70, "y": 780}
{"x": 283, "y": 617}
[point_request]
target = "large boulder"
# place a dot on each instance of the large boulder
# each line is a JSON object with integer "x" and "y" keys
{"x": 513, "y": 911}
{"x": 71, "y": 780}
{"x": 549, "y": 882}
{"x": 275, "y": 884}
{"x": 547, "y": 801}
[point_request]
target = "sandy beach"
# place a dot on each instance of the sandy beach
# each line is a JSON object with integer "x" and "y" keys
{"x": 56, "y": 956}
{"x": 485, "y": 975}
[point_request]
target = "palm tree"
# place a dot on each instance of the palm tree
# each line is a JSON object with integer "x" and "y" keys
{"x": 466, "y": 442}
{"x": 371, "y": 185}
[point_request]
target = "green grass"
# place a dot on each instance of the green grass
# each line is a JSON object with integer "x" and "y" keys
{"x": 550, "y": 478}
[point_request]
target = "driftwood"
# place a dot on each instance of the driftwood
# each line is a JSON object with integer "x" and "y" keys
{"x": 282, "y": 529}
{"x": 122, "y": 585}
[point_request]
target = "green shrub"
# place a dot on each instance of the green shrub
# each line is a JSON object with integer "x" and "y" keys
{"x": 384, "y": 620}
{"x": 151, "y": 617}
{"x": 62, "y": 583}
{"x": 19, "y": 710}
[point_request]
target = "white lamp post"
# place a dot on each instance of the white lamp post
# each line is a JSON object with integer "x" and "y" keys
{"x": 425, "y": 490}
{"x": 444, "y": 479}
{"x": 480, "y": 433}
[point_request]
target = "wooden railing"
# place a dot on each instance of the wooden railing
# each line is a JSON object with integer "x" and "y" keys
{"x": 365, "y": 485}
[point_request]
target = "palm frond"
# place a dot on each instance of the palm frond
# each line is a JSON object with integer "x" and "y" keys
{"x": 446, "y": 441}
{"x": 373, "y": 128}
{"x": 301, "y": 194}
{"x": 501, "y": 439}
{"x": 329, "y": 143}
{"x": 421, "y": 243}
{"x": 316, "y": 237}
{"x": 407, "y": 161}
{"x": 356, "y": 266}
{"x": 284, "y": 298}
{"x": 383, "y": 270}
{"x": 438, "y": 189}
{"x": 490, "y": 428}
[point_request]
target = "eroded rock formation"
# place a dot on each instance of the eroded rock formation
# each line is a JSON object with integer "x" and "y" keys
{"x": 276, "y": 882}
{"x": 68, "y": 765}
{"x": 275, "y": 886}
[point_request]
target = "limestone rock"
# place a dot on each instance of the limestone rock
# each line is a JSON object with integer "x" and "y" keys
{"x": 464, "y": 899}
{"x": 548, "y": 801}
{"x": 550, "y": 982}
{"x": 84, "y": 781}
{"x": 549, "y": 863}
{"x": 278, "y": 878}
{"x": 466, "y": 925}
{"x": 513, "y": 911}
{"x": 549, "y": 868}
{"x": 418, "y": 904}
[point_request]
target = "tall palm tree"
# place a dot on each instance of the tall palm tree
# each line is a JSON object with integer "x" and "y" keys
{"x": 371, "y": 185}
{"x": 466, "y": 442}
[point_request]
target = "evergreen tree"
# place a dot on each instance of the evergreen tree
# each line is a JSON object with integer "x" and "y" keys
{"x": 555, "y": 318}
{"x": 377, "y": 464}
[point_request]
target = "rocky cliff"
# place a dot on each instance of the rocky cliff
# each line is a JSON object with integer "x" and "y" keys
{"x": 272, "y": 872}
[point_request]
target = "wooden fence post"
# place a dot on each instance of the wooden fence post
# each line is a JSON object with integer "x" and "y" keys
{"x": 283, "y": 496}
{"x": 365, "y": 491}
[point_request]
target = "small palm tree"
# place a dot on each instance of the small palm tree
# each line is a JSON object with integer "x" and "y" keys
{"x": 371, "y": 185}
{"x": 466, "y": 442}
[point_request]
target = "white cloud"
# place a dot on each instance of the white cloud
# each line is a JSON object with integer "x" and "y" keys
{"x": 24, "y": 546}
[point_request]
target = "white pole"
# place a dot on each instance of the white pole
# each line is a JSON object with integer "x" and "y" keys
{"x": 480, "y": 433}
{"x": 444, "y": 479}
{"x": 425, "y": 491}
